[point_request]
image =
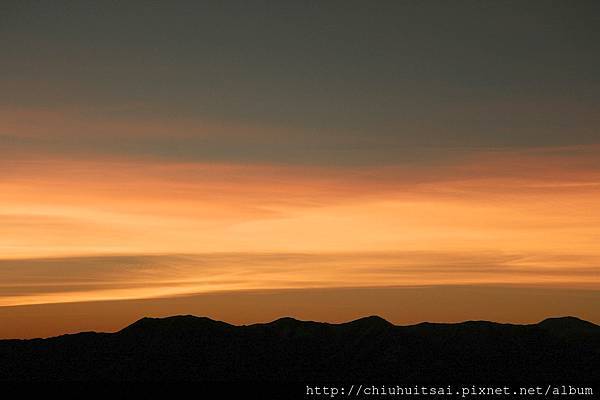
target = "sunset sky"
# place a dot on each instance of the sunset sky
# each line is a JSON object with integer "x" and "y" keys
{"x": 325, "y": 160}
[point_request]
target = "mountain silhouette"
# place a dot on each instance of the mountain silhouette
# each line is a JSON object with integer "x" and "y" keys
{"x": 188, "y": 348}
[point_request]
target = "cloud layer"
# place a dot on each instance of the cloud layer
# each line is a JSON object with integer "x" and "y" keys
{"x": 79, "y": 279}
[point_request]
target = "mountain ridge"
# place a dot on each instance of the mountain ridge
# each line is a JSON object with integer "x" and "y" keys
{"x": 376, "y": 319}
{"x": 370, "y": 318}
{"x": 190, "y": 348}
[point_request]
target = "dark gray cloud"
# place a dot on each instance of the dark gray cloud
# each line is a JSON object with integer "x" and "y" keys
{"x": 342, "y": 82}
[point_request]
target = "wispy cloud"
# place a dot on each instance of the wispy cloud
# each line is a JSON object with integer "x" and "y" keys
{"x": 76, "y": 279}
{"x": 539, "y": 201}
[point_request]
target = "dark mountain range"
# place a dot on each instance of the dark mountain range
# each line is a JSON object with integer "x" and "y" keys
{"x": 187, "y": 348}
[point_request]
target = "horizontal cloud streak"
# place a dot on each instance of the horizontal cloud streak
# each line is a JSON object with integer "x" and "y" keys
{"x": 75, "y": 279}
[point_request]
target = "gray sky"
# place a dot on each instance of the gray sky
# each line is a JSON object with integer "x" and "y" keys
{"x": 301, "y": 82}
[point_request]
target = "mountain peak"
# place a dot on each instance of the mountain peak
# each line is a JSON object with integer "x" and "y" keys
{"x": 173, "y": 322}
{"x": 283, "y": 322}
{"x": 567, "y": 325}
{"x": 370, "y": 321}
{"x": 286, "y": 321}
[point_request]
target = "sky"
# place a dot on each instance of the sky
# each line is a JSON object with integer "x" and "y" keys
{"x": 240, "y": 160}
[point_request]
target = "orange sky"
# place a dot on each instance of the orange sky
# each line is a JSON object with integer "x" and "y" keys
{"x": 491, "y": 217}
{"x": 214, "y": 151}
